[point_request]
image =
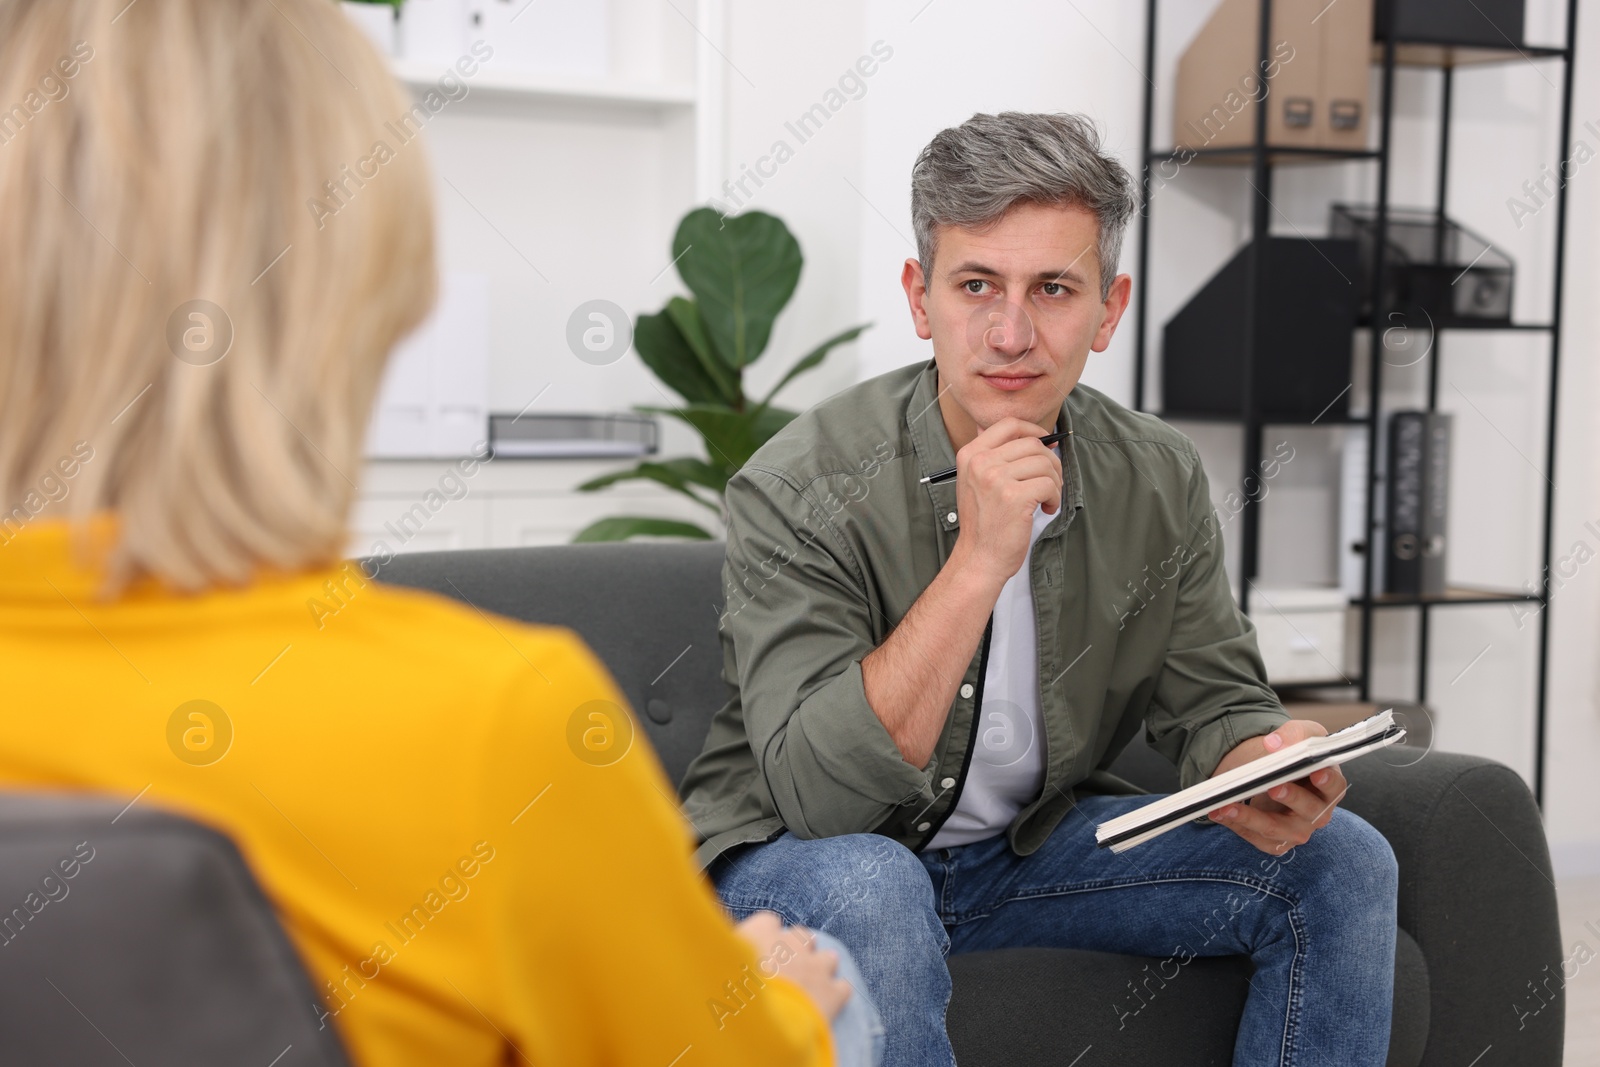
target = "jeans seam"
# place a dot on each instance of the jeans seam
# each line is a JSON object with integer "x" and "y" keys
{"x": 1069, "y": 889}
{"x": 1296, "y": 977}
{"x": 944, "y": 908}
{"x": 944, "y": 889}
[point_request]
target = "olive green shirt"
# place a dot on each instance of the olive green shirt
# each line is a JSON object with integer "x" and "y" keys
{"x": 831, "y": 539}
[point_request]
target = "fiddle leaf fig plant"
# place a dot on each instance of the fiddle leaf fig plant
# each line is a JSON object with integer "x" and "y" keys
{"x": 741, "y": 272}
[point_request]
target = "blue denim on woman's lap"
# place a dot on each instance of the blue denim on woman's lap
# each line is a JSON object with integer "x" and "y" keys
{"x": 1319, "y": 922}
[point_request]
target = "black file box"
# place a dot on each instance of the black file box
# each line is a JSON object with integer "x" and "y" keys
{"x": 1304, "y": 321}
{"x": 1485, "y": 23}
{"x": 1435, "y": 270}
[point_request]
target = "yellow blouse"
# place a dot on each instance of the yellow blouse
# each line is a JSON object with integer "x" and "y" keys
{"x": 444, "y": 807}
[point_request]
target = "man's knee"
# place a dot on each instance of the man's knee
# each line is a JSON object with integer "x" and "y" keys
{"x": 1368, "y": 852}
{"x": 832, "y": 882}
{"x": 1352, "y": 860}
{"x": 873, "y": 875}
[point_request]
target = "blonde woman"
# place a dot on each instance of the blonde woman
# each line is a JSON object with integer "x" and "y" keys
{"x": 210, "y": 237}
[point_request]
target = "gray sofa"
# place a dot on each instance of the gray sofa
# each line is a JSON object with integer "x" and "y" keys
{"x": 1477, "y": 904}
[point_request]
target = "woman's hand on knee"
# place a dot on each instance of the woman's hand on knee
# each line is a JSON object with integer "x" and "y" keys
{"x": 791, "y": 951}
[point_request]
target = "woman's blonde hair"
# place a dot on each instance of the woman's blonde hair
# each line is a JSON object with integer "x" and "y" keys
{"x": 210, "y": 238}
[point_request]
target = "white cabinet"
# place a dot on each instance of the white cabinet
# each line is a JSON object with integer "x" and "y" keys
{"x": 1300, "y": 633}
{"x": 405, "y": 523}
{"x": 435, "y": 505}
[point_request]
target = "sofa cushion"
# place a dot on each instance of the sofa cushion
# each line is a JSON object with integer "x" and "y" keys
{"x": 1055, "y": 1003}
{"x": 649, "y": 611}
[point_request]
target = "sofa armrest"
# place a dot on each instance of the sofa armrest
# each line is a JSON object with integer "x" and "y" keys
{"x": 1478, "y": 896}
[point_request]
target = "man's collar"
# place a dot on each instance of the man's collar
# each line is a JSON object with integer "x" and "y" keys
{"x": 935, "y": 452}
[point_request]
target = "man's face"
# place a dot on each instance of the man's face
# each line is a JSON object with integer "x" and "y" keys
{"x": 1013, "y": 313}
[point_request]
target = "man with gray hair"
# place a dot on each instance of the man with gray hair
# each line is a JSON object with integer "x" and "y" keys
{"x": 931, "y": 676}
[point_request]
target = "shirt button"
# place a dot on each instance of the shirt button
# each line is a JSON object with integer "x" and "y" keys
{"x": 950, "y": 517}
{"x": 948, "y": 783}
{"x": 922, "y": 827}
{"x": 966, "y": 690}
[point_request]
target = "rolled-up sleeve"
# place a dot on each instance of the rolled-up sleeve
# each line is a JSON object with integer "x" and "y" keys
{"x": 1212, "y": 691}
{"x": 800, "y": 622}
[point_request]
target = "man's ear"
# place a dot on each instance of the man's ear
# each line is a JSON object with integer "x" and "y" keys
{"x": 1116, "y": 303}
{"x": 916, "y": 288}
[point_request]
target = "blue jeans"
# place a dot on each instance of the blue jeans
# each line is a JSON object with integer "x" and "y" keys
{"x": 1318, "y": 922}
{"x": 858, "y": 1034}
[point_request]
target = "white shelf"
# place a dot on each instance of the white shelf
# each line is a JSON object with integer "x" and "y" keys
{"x": 534, "y": 87}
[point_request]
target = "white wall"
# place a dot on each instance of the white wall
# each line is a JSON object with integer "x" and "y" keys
{"x": 787, "y": 58}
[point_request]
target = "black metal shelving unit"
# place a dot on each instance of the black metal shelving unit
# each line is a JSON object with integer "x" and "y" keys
{"x": 1261, "y": 159}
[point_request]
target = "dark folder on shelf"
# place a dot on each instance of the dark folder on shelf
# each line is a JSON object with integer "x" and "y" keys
{"x": 1418, "y": 503}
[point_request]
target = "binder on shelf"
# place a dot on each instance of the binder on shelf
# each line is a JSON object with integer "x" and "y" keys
{"x": 1436, "y": 504}
{"x": 1417, "y": 503}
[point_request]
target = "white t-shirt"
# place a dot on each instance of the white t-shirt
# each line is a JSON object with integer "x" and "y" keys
{"x": 1006, "y": 772}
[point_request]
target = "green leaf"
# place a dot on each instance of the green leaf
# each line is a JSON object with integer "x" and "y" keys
{"x": 668, "y": 354}
{"x": 622, "y": 527}
{"x": 676, "y": 474}
{"x": 767, "y": 421}
{"x": 742, "y": 270}
{"x": 682, "y": 470}
{"x": 814, "y": 357}
{"x": 729, "y": 435}
{"x": 686, "y": 316}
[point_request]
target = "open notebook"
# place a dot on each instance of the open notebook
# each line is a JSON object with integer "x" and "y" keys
{"x": 1257, "y": 776}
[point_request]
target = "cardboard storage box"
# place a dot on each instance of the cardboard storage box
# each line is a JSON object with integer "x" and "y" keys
{"x": 1316, "y": 84}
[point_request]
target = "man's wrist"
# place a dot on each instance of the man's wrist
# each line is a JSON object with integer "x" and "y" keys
{"x": 966, "y": 577}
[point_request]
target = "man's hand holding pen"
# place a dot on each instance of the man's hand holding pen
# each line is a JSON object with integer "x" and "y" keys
{"x": 1002, "y": 476}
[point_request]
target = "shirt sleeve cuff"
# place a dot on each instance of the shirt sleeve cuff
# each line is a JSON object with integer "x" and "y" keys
{"x": 1219, "y": 737}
